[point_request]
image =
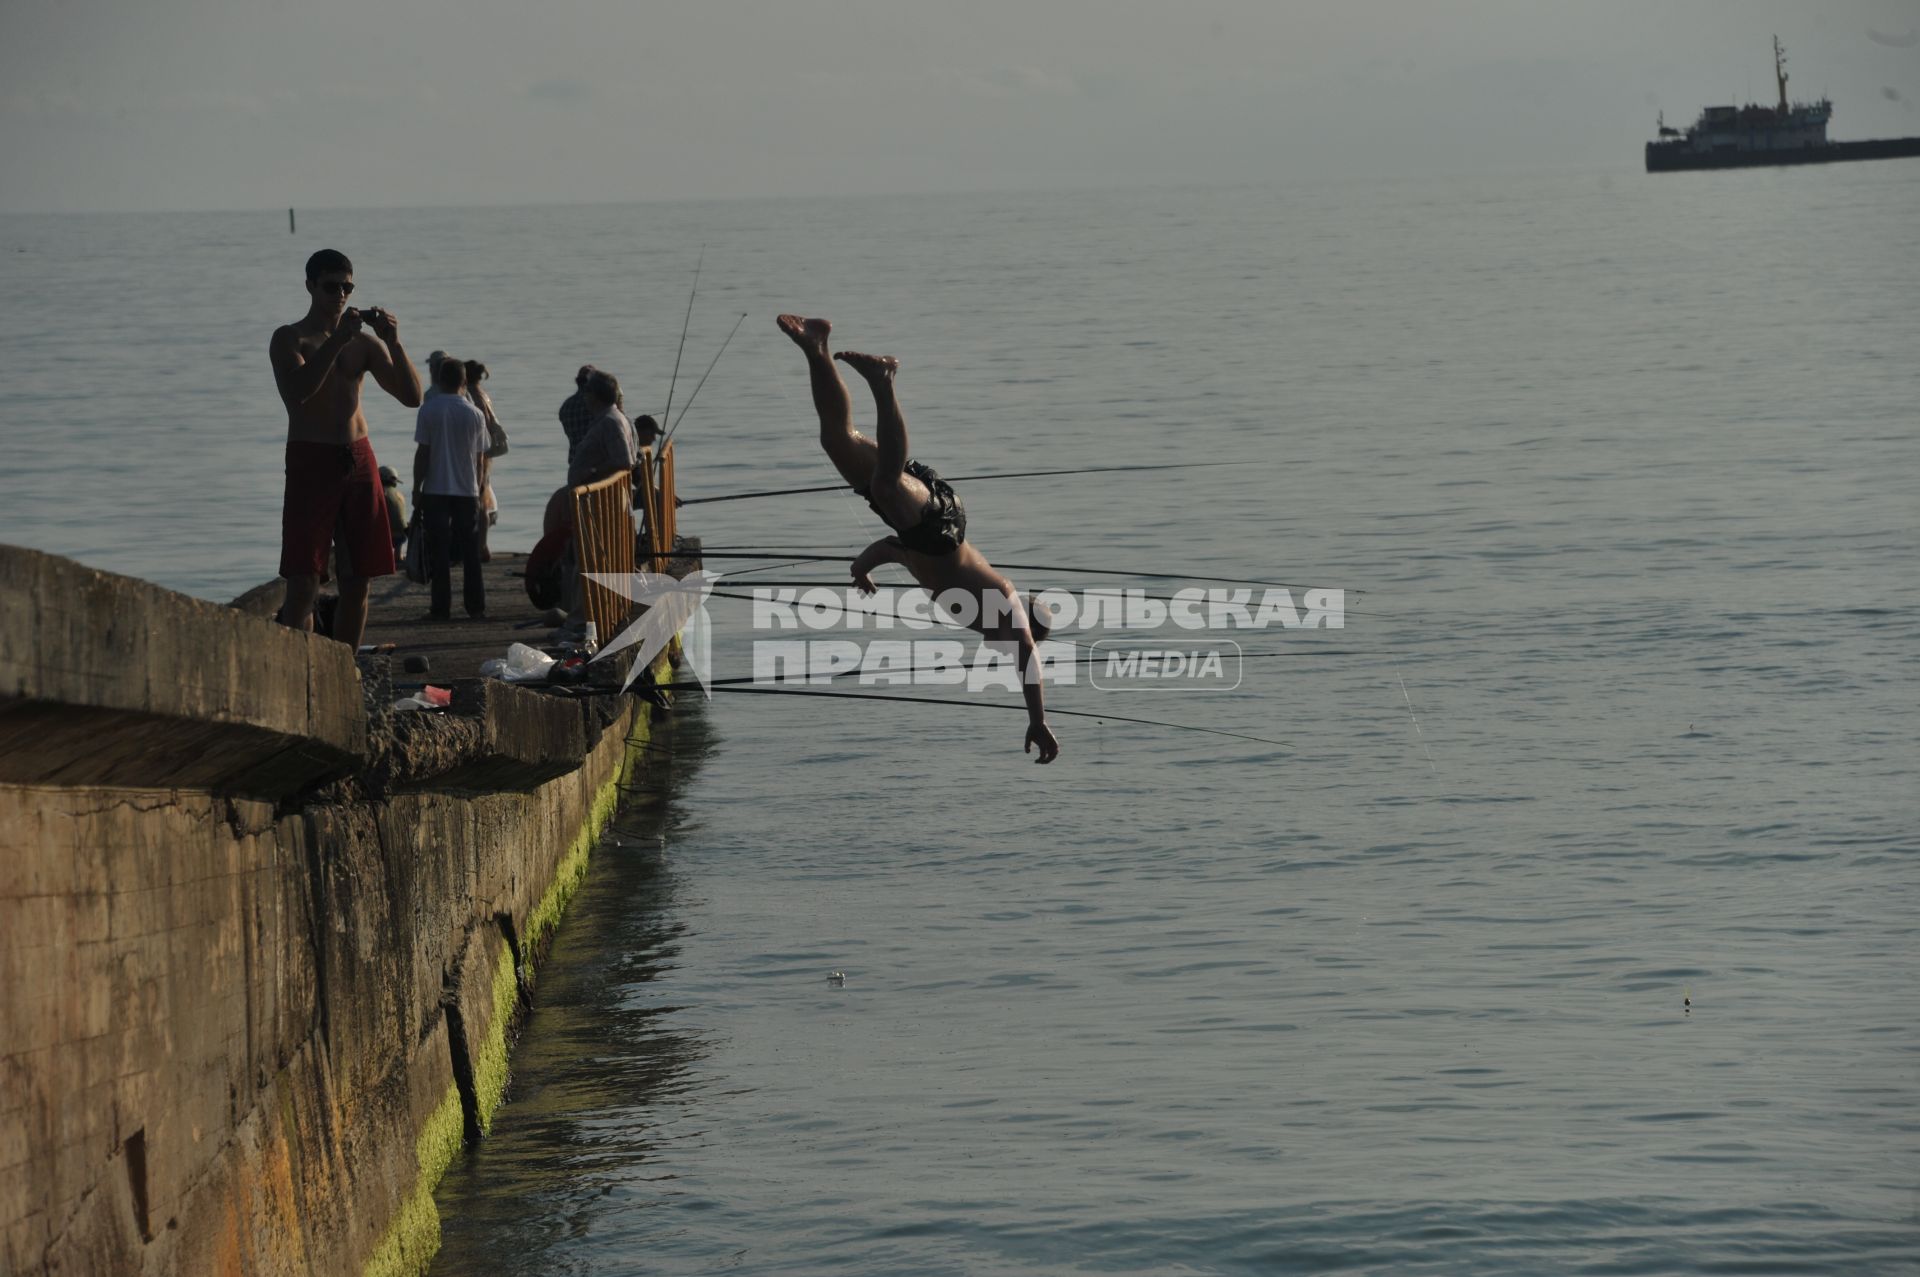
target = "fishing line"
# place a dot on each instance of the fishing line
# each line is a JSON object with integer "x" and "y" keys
{"x": 670, "y": 554}
{"x": 749, "y": 576}
{"x": 1416, "y": 718}
{"x": 752, "y": 578}
{"x": 937, "y": 700}
{"x": 964, "y": 478}
{"x": 1087, "y": 661}
{"x": 741, "y": 680}
{"x": 795, "y": 548}
{"x": 943, "y": 623}
{"x": 760, "y": 552}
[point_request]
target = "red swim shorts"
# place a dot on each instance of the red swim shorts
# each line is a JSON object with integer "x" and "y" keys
{"x": 334, "y": 497}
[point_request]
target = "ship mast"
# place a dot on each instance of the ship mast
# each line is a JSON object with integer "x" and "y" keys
{"x": 1780, "y": 72}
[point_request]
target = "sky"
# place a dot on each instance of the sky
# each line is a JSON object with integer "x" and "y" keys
{"x": 245, "y": 104}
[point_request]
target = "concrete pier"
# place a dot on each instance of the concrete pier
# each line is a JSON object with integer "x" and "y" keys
{"x": 261, "y": 949}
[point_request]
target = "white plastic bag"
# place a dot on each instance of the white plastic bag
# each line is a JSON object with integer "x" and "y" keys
{"x": 523, "y": 665}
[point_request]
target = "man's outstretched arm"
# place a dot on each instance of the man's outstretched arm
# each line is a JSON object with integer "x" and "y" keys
{"x": 1038, "y": 733}
{"x": 885, "y": 550}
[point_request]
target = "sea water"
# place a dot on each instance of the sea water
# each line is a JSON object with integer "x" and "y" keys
{"x": 1570, "y": 928}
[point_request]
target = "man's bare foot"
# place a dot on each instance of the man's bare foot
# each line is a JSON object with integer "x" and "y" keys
{"x": 808, "y": 334}
{"x": 875, "y": 368}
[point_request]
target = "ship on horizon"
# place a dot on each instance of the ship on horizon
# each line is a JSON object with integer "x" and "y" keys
{"x": 1754, "y": 135}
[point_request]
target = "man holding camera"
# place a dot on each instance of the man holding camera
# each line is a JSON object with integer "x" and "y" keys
{"x": 333, "y": 494}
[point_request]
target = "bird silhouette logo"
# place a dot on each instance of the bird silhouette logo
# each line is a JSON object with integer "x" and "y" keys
{"x": 672, "y": 605}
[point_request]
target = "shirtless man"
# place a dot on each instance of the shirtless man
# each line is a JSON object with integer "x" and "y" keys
{"x": 929, "y": 522}
{"x": 333, "y": 482}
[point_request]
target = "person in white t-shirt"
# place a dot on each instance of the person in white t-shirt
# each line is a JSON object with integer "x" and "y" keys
{"x": 452, "y": 436}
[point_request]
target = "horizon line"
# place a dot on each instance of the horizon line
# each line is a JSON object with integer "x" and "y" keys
{"x": 1535, "y": 169}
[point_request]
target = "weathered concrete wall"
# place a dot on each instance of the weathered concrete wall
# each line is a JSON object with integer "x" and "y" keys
{"x": 245, "y": 1022}
{"x": 109, "y": 680}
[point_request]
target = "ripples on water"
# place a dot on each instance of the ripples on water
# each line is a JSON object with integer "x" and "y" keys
{"x": 1165, "y": 1041}
{"x": 1624, "y": 467}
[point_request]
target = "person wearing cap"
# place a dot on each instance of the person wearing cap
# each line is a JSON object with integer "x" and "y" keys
{"x": 576, "y": 414}
{"x": 646, "y": 431}
{"x": 396, "y": 511}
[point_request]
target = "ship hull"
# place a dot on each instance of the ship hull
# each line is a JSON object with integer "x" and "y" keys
{"x": 1676, "y": 157}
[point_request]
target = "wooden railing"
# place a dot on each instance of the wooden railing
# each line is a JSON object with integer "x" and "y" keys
{"x": 603, "y": 541}
{"x": 669, "y": 504}
{"x": 604, "y": 537}
{"x": 658, "y": 504}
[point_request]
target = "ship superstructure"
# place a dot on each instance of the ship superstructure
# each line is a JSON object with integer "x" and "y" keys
{"x": 1746, "y": 136}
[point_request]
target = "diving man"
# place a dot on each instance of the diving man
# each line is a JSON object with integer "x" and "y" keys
{"x": 929, "y": 522}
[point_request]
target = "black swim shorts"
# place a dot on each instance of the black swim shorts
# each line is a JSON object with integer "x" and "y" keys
{"x": 943, "y": 521}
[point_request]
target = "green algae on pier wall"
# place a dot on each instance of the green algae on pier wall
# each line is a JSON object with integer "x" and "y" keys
{"x": 573, "y": 866}
{"x": 414, "y": 1238}
{"x": 272, "y": 986}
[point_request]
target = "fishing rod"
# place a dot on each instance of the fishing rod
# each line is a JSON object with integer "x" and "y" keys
{"x": 764, "y": 552}
{"x": 776, "y": 567}
{"x": 684, "y": 325}
{"x": 742, "y": 680}
{"x": 688, "y": 406}
{"x": 895, "y": 616}
{"x": 752, "y": 552}
{"x": 964, "y": 478}
{"x": 751, "y": 577}
{"x": 939, "y": 700}
{"x": 1089, "y": 644}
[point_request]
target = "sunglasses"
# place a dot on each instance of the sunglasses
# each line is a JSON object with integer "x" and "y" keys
{"x": 337, "y": 287}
